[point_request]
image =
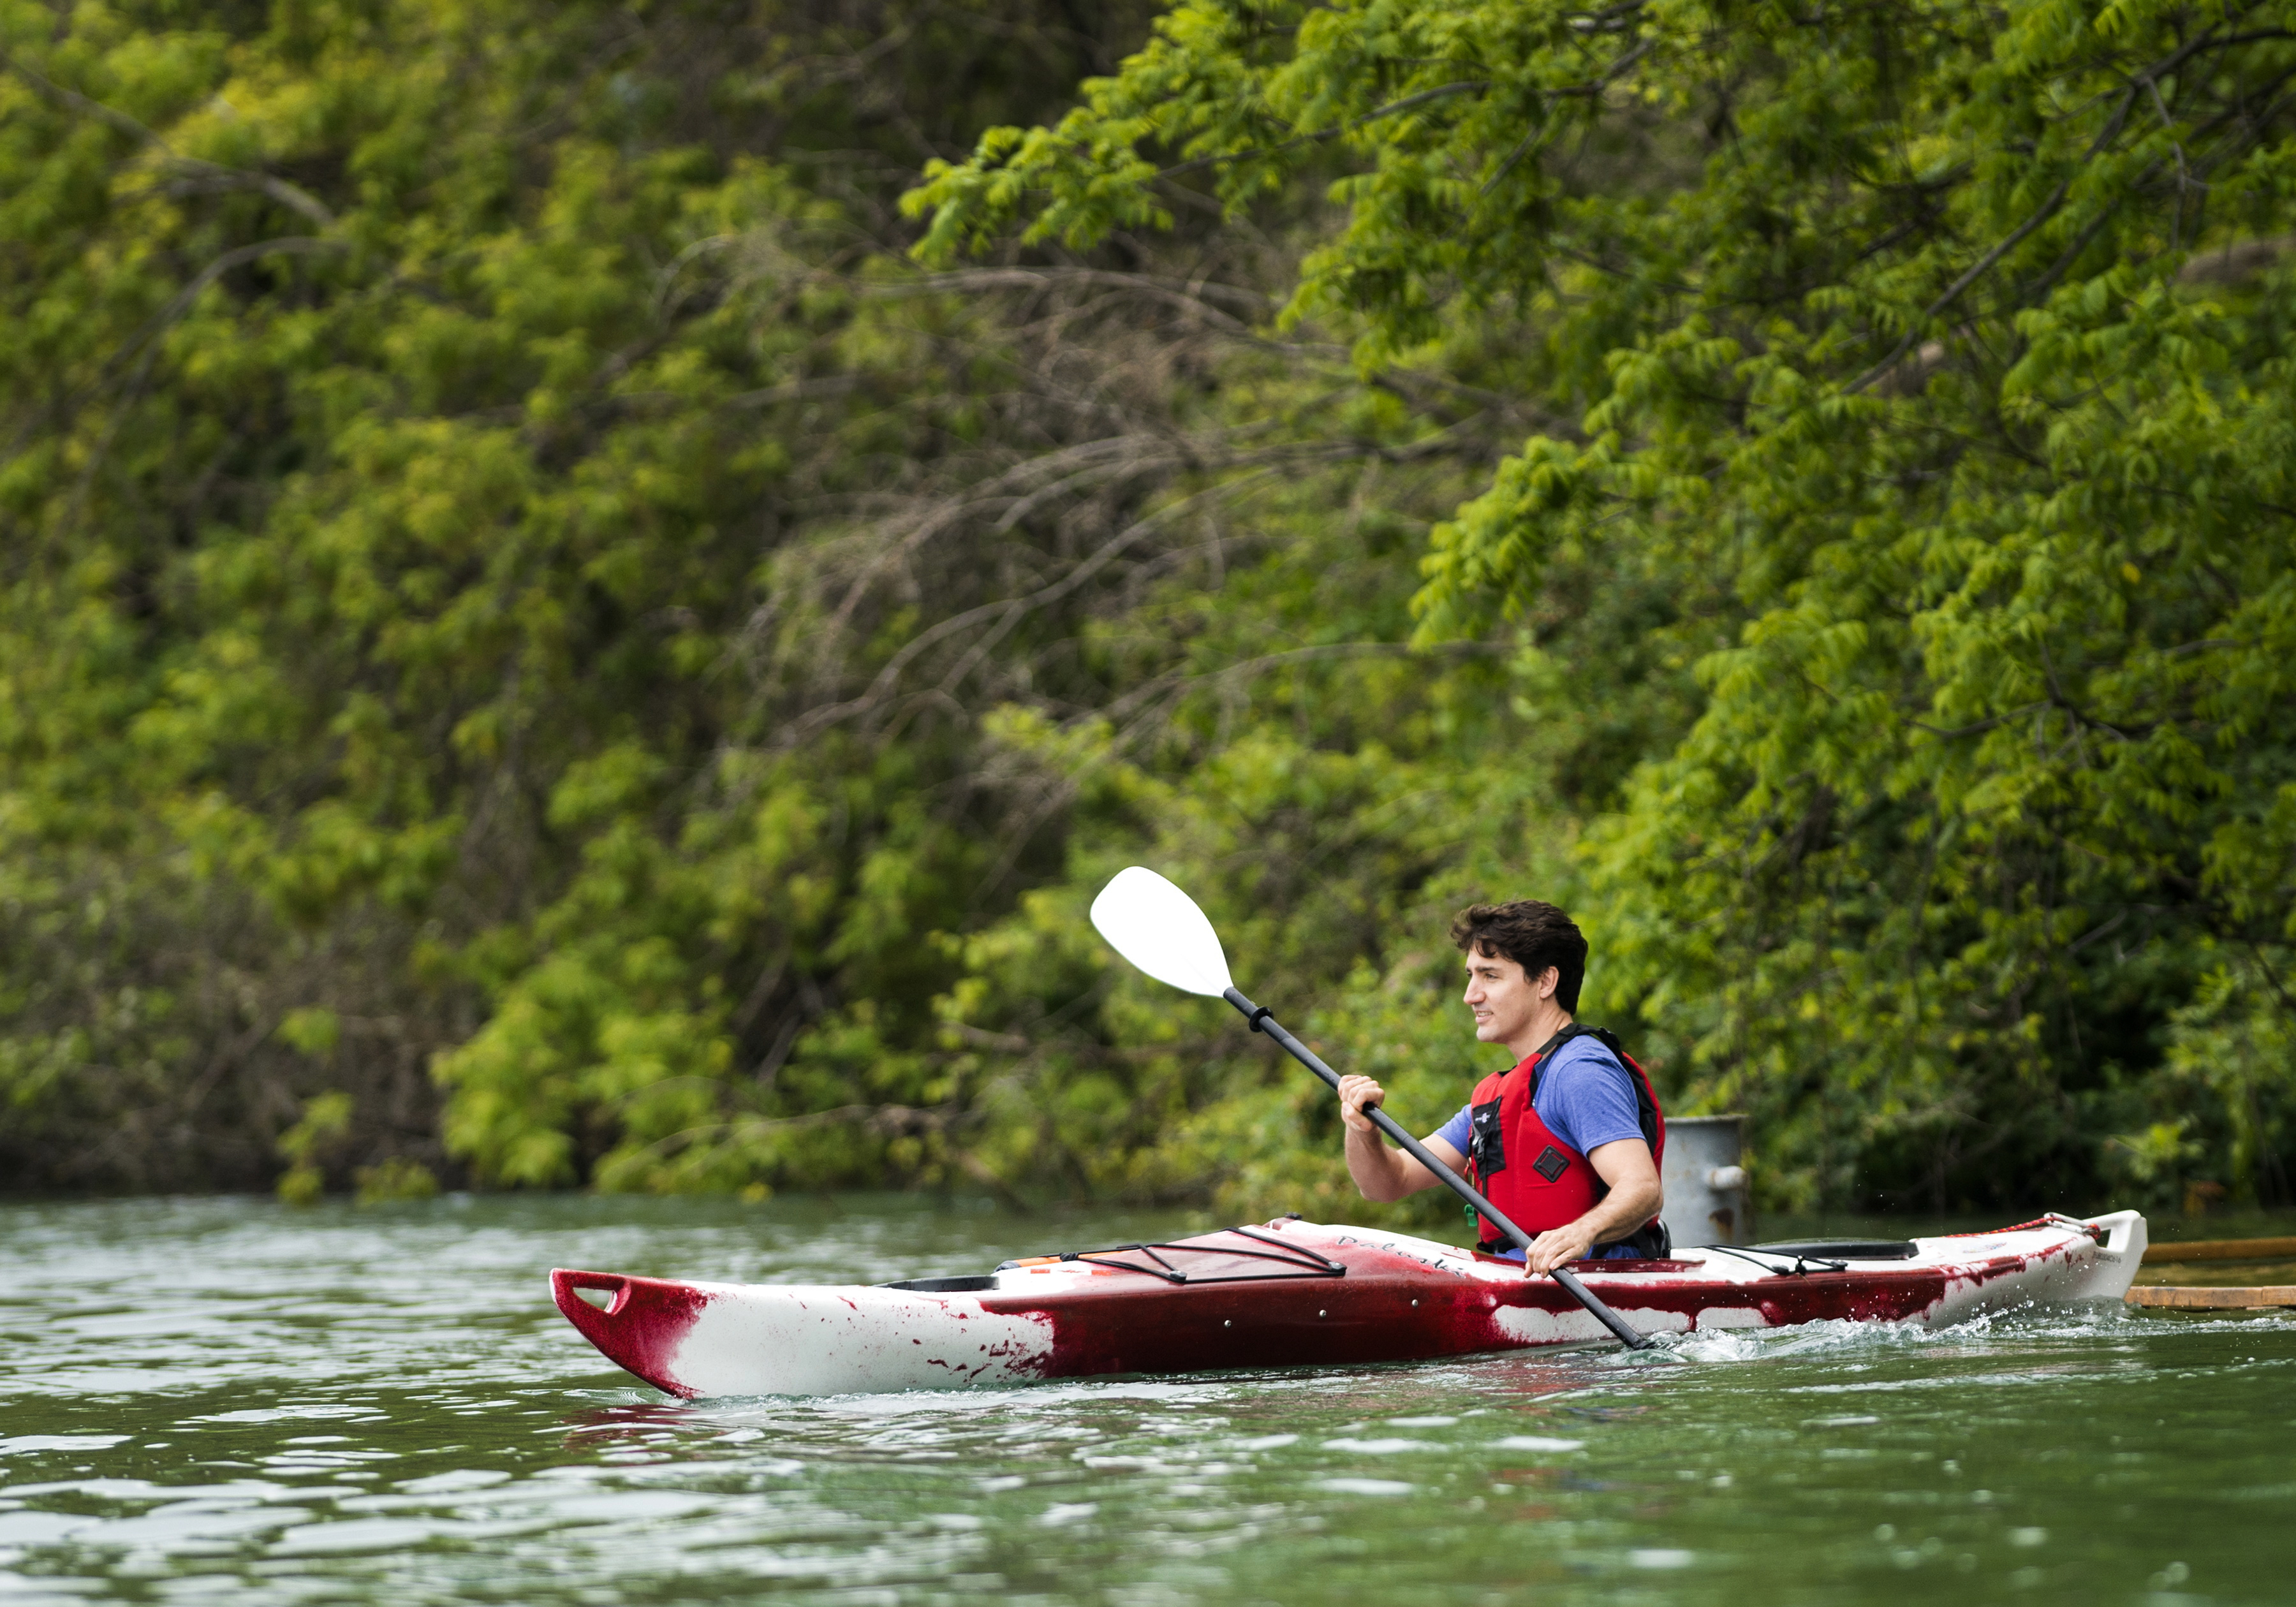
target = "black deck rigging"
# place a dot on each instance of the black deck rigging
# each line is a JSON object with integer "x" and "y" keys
{"x": 1301, "y": 1261}
{"x": 1288, "y": 1261}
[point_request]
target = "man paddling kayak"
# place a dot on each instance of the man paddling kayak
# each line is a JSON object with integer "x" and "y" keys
{"x": 1566, "y": 1142}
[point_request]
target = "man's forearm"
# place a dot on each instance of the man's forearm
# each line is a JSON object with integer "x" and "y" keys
{"x": 1378, "y": 1171}
{"x": 1622, "y": 1210}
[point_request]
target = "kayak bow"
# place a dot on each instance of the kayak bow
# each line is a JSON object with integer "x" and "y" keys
{"x": 1294, "y": 1293}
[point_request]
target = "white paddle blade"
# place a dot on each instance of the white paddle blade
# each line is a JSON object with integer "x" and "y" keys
{"x": 1159, "y": 928}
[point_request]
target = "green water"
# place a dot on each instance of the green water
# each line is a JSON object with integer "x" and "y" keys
{"x": 225, "y": 1400}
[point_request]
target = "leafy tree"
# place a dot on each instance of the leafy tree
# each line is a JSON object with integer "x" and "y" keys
{"x": 1935, "y": 358}
{"x": 467, "y": 469}
{"x": 542, "y": 647}
{"x": 517, "y": 579}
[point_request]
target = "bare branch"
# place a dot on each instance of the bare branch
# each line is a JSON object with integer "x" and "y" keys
{"x": 2236, "y": 261}
{"x": 211, "y": 174}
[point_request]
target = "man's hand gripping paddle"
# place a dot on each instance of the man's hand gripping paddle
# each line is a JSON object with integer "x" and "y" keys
{"x": 1159, "y": 929}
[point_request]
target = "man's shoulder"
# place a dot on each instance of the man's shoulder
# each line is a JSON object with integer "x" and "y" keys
{"x": 1590, "y": 1101}
{"x": 1584, "y": 1049}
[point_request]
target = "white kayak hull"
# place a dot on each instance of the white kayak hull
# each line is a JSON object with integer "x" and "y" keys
{"x": 1290, "y": 1293}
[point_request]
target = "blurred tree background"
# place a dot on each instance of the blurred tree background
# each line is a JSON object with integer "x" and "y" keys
{"x": 590, "y": 590}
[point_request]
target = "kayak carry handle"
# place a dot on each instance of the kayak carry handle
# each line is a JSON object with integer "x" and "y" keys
{"x": 612, "y": 1283}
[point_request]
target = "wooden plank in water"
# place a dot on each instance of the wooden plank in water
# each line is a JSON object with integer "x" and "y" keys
{"x": 2213, "y": 1299}
{"x": 2222, "y": 1250}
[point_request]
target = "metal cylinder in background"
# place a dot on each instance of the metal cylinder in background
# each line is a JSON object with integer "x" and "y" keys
{"x": 1705, "y": 1182}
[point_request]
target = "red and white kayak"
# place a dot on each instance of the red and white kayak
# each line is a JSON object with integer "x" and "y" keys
{"x": 1290, "y": 1293}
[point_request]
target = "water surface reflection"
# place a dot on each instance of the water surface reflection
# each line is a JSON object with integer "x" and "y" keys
{"x": 219, "y": 1398}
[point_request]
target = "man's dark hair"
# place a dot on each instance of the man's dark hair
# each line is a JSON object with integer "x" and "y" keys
{"x": 1533, "y": 935}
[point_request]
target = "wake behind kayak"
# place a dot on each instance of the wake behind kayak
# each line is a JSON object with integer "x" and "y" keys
{"x": 1294, "y": 1293}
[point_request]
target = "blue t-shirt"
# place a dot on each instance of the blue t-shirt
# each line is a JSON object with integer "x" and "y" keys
{"x": 1586, "y": 1098}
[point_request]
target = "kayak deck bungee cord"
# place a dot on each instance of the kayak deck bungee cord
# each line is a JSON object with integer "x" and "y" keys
{"x": 1296, "y": 1293}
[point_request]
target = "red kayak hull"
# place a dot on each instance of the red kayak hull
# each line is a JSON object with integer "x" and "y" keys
{"x": 1359, "y": 1297}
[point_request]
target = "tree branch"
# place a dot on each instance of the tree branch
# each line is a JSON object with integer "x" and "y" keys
{"x": 1323, "y": 136}
{"x": 216, "y": 174}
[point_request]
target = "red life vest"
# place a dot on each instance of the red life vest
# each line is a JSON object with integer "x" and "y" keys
{"x": 1531, "y": 1175}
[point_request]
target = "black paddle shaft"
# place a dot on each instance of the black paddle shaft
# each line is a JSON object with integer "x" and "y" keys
{"x": 1262, "y": 1021}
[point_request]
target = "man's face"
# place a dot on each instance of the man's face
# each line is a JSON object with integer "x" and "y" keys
{"x": 1502, "y": 997}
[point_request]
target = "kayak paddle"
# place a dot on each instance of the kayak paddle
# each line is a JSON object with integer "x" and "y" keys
{"x": 1159, "y": 928}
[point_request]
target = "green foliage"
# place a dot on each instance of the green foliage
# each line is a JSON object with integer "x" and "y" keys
{"x": 1939, "y": 358}
{"x": 548, "y": 655}
{"x": 326, "y": 1119}
{"x": 395, "y": 1179}
{"x": 2232, "y": 1062}
{"x": 455, "y": 487}
{"x": 542, "y": 647}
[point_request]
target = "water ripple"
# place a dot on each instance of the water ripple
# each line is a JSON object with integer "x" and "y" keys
{"x": 227, "y": 1399}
